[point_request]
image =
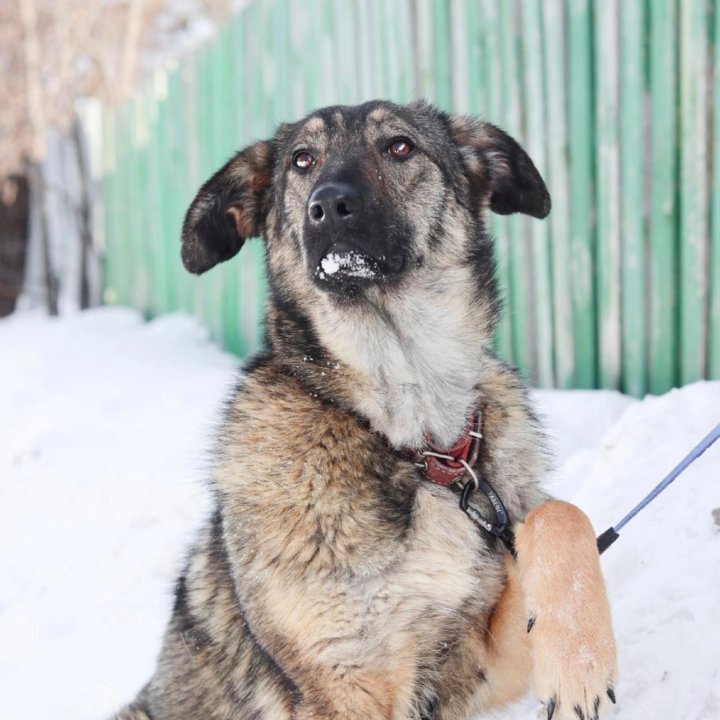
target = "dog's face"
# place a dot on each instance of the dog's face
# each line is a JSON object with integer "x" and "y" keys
{"x": 362, "y": 197}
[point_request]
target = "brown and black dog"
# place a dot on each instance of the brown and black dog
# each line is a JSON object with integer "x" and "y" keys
{"x": 334, "y": 580}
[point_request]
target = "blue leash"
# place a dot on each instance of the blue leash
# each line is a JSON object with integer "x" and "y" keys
{"x": 607, "y": 538}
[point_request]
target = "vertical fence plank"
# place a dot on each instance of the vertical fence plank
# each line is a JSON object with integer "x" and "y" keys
{"x": 378, "y": 72}
{"x": 213, "y": 284}
{"x": 251, "y": 268}
{"x": 397, "y": 49}
{"x": 363, "y": 50}
{"x": 383, "y": 81}
{"x": 440, "y": 13}
{"x": 142, "y": 262}
{"x": 425, "y": 58}
{"x": 285, "y": 75}
{"x": 462, "y": 53}
{"x": 116, "y": 255}
{"x": 161, "y": 221}
{"x": 225, "y": 286}
{"x": 174, "y": 194}
{"x": 109, "y": 188}
{"x": 580, "y": 120}
{"x": 468, "y": 41}
{"x": 520, "y": 293}
{"x": 230, "y": 79}
{"x": 223, "y": 110}
{"x": 633, "y": 130}
{"x": 540, "y": 309}
{"x": 714, "y": 314}
{"x": 493, "y": 74}
{"x": 325, "y": 69}
{"x": 344, "y": 39}
{"x": 193, "y": 171}
{"x": 152, "y": 217}
{"x": 557, "y": 177}
{"x": 123, "y": 197}
{"x": 128, "y": 189}
{"x": 693, "y": 188}
{"x": 225, "y": 297}
{"x": 126, "y": 182}
{"x": 239, "y": 72}
{"x": 201, "y": 139}
{"x": 663, "y": 315}
{"x": 608, "y": 192}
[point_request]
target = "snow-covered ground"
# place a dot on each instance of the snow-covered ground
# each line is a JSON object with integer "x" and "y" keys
{"x": 104, "y": 425}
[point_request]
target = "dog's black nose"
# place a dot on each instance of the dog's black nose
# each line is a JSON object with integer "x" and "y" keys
{"x": 332, "y": 203}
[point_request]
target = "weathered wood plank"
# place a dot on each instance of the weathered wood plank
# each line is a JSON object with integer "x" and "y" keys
{"x": 693, "y": 189}
{"x": 520, "y": 276}
{"x": 493, "y": 76}
{"x": 607, "y": 51}
{"x": 554, "y": 27}
{"x": 534, "y": 95}
{"x": 633, "y": 131}
{"x": 663, "y": 335}
{"x": 714, "y": 314}
{"x": 582, "y": 188}
{"x": 441, "y": 54}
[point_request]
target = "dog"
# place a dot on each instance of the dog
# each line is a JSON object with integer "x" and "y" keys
{"x": 339, "y": 576}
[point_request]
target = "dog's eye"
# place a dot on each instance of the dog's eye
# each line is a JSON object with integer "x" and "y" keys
{"x": 400, "y": 148}
{"x": 303, "y": 159}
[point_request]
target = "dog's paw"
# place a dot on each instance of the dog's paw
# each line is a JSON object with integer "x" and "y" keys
{"x": 572, "y": 642}
{"x": 574, "y": 667}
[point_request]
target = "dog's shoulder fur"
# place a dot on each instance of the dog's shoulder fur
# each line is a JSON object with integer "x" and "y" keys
{"x": 328, "y": 538}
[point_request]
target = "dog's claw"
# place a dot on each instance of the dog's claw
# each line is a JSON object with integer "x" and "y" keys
{"x": 596, "y": 709}
{"x": 550, "y": 708}
{"x": 579, "y": 712}
{"x": 611, "y": 695}
{"x": 531, "y": 622}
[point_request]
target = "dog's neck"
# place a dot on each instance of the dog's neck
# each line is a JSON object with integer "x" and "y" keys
{"x": 414, "y": 359}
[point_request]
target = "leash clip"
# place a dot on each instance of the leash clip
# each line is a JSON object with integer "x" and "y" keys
{"x": 501, "y": 527}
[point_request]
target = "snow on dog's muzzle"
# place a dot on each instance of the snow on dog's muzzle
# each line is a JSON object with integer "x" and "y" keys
{"x": 344, "y": 266}
{"x": 353, "y": 264}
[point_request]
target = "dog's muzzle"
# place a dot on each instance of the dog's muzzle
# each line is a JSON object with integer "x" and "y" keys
{"x": 347, "y": 244}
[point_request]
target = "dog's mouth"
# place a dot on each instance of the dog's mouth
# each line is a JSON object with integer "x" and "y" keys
{"x": 345, "y": 266}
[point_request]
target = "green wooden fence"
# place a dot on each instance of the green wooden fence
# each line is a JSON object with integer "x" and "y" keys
{"x": 617, "y": 102}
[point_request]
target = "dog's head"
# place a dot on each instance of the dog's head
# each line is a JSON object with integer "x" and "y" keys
{"x": 363, "y": 196}
{"x": 379, "y": 265}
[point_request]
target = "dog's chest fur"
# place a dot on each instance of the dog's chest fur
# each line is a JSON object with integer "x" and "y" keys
{"x": 359, "y": 558}
{"x": 417, "y": 357}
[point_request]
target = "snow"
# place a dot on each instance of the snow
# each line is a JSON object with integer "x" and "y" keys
{"x": 352, "y": 264}
{"x": 105, "y": 423}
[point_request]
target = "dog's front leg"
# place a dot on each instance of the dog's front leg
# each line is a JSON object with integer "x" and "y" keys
{"x": 361, "y": 694}
{"x": 573, "y": 650}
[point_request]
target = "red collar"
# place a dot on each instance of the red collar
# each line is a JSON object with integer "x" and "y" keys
{"x": 446, "y": 466}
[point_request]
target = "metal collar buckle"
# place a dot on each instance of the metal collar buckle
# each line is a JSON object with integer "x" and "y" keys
{"x": 445, "y": 466}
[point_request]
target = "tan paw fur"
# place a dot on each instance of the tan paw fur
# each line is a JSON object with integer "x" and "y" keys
{"x": 572, "y": 642}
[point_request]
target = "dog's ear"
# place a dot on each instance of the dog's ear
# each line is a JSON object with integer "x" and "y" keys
{"x": 497, "y": 160}
{"x": 229, "y": 208}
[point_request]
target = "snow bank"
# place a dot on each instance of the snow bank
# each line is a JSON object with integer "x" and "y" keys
{"x": 104, "y": 422}
{"x": 104, "y": 425}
